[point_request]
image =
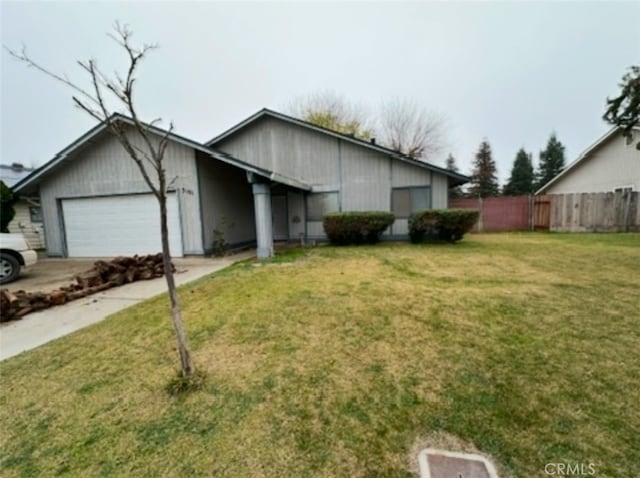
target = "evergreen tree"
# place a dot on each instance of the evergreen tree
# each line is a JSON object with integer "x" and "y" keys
{"x": 7, "y": 200}
{"x": 522, "y": 177}
{"x": 551, "y": 161}
{"x": 456, "y": 191}
{"x": 624, "y": 109}
{"x": 484, "y": 180}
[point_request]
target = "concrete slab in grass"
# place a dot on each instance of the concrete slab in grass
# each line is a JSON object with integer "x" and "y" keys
{"x": 447, "y": 464}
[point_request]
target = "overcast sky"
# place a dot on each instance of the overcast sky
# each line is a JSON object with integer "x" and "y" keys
{"x": 507, "y": 72}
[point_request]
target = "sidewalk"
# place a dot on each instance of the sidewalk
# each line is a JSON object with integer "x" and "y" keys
{"x": 44, "y": 326}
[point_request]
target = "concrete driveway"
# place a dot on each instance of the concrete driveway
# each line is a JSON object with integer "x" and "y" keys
{"x": 44, "y": 326}
{"x": 49, "y": 273}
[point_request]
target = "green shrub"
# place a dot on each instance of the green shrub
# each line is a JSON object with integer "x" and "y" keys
{"x": 356, "y": 227}
{"x": 7, "y": 200}
{"x": 441, "y": 224}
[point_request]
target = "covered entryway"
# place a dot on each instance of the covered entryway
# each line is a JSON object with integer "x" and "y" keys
{"x": 119, "y": 225}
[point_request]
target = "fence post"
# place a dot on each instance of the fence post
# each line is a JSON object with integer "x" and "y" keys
{"x": 531, "y": 212}
{"x": 480, "y": 218}
{"x": 627, "y": 208}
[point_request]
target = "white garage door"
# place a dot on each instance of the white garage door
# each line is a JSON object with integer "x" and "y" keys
{"x": 119, "y": 225}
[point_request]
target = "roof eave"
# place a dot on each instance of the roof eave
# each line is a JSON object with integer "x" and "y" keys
{"x": 265, "y": 173}
{"x": 582, "y": 157}
{"x": 62, "y": 155}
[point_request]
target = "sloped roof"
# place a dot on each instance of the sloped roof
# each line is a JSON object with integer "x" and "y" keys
{"x": 265, "y": 112}
{"x": 101, "y": 128}
{"x": 584, "y": 156}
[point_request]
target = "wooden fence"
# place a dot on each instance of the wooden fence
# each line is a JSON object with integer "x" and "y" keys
{"x": 580, "y": 212}
{"x": 505, "y": 213}
{"x": 541, "y": 213}
{"x": 595, "y": 212}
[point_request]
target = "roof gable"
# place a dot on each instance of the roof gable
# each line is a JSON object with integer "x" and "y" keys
{"x": 456, "y": 177}
{"x": 584, "y": 156}
{"x": 101, "y": 129}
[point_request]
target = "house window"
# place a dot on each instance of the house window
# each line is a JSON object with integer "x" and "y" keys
{"x": 623, "y": 189}
{"x": 36, "y": 213}
{"x": 405, "y": 201}
{"x": 318, "y": 204}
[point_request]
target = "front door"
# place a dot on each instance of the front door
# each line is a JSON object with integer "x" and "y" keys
{"x": 279, "y": 217}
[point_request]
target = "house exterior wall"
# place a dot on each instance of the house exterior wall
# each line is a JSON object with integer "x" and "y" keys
{"x": 297, "y": 217}
{"x": 363, "y": 178}
{"x": 439, "y": 191}
{"x": 21, "y": 223}
{"x": 226, "y": 203}
{"x": 406, "y": 175}
{"x": 614, "y": 164}
{"x": 290, "y": 150}
{"x": 103, "y": 168}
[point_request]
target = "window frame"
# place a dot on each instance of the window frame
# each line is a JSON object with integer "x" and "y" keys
{"x": 38, "y": 217}
{"x": 412, "y": 208}
{"x": 315, "y": 218}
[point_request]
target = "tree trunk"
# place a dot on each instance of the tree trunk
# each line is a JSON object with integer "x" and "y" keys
{"x": 176, "y": 314}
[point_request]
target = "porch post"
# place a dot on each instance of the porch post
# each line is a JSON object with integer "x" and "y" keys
{"x": 264, "y": 230}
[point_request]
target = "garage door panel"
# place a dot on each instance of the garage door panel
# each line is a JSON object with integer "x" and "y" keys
{"x": 119, "y": 225}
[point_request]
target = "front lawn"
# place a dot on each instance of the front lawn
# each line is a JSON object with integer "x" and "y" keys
{"x": 343, "y": 362}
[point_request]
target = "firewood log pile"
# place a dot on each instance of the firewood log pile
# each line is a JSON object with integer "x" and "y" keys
{"x": 102, "y": 276}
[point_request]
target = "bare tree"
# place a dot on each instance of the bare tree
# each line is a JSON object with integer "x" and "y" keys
{"x": 332, "y": 111}
{"x": 149, "y": 157}
{"x": 411, "y": 129}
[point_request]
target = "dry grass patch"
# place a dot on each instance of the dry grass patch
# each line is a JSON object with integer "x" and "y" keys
{"x": 337, "y": 361}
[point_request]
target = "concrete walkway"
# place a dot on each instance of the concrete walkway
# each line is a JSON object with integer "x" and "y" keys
{"x": 44, "y": 326}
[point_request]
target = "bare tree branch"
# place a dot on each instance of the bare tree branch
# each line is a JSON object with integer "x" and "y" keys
{"x": 413, "y": 130}
{"x": 149, "y": 155}
{"x": 402, "y": 124}
{"x": 23, "y": 57}
{"x": 332, "y": 111}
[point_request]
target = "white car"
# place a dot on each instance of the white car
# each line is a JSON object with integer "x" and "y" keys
{"x": 14, "y": 254}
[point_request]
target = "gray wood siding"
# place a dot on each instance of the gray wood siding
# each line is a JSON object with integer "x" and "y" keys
{"x": 366, "y": 179}
{"x": 400, "y": 227}
{"x": 404, "y": 175}
{"x": 288, "y": 149}
{"x": 439, "y": 191}
{"x": 612, "y": 165}
{"x": 227, "y": 202}
{"x": 102, "y": 168}
{"x": 315, "y": 230}
{"x": 296, "y": 215}
{"x": 408, "y": 175}
{"x": 363, "y": 177}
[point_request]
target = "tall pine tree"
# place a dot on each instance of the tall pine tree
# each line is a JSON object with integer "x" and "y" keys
{"x": 522, "y": 177}
{"x": 456, "y": 191}
{"x": 624, "y": 109}
{"x": 484, "y": 180}
{"x": 551, "y": 161}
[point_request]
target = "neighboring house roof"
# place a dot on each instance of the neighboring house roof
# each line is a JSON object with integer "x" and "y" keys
{"x": 456, "y": 177}
{"x": 584, "y": 156}
{"x": 13, "y": 173}
{"x": 101, "y": 128}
